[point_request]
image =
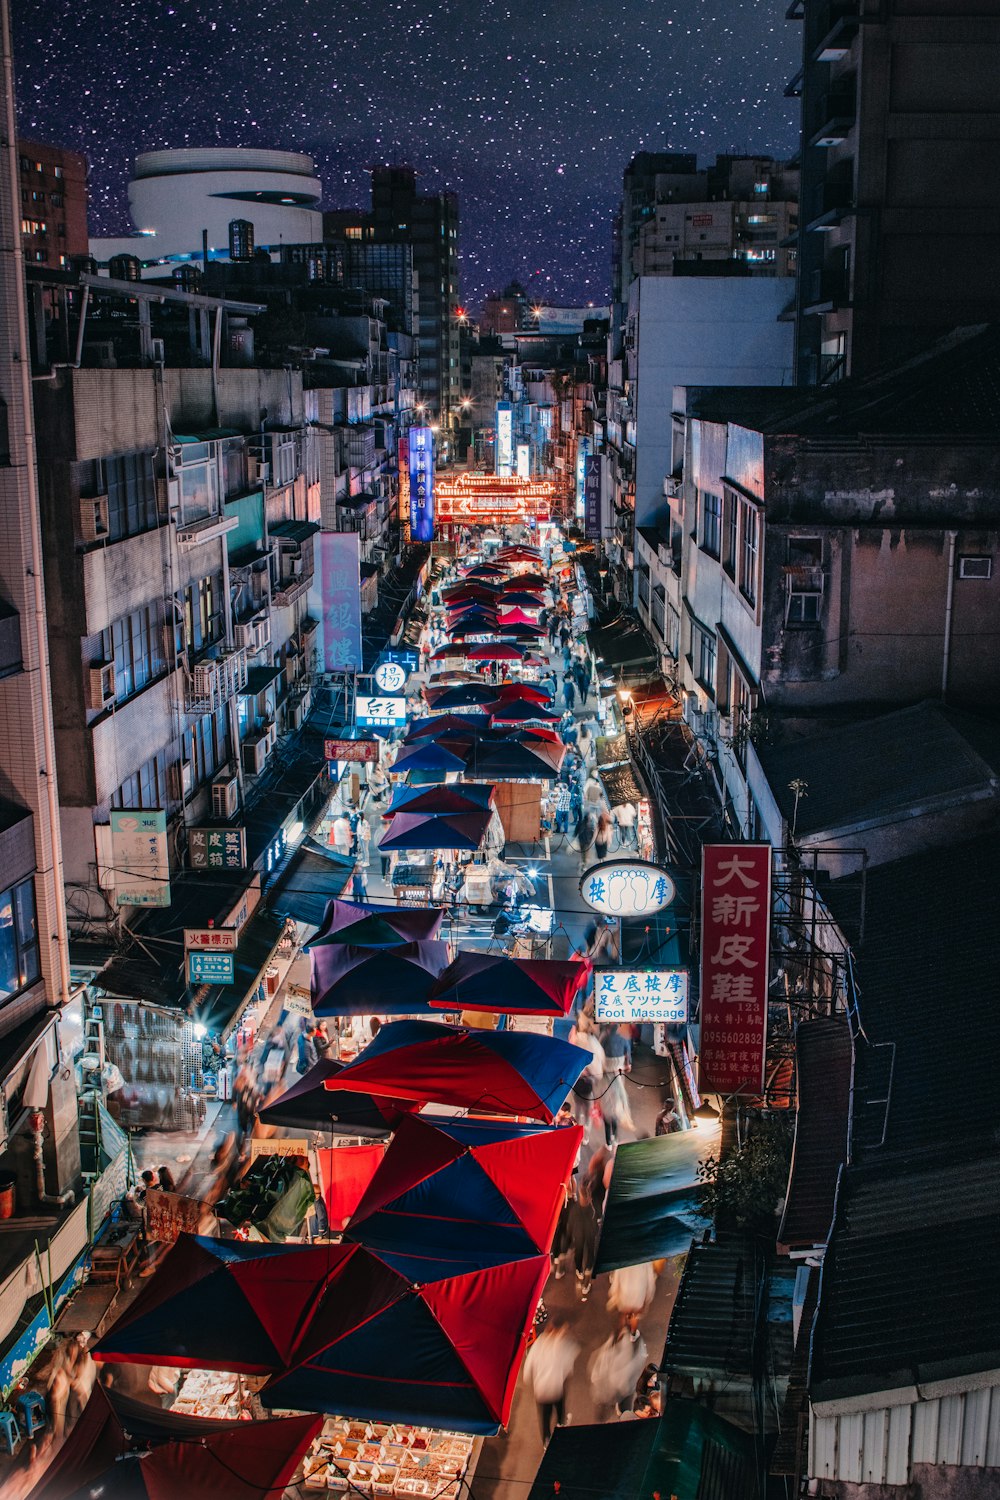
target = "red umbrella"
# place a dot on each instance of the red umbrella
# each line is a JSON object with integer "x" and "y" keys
{"x": 471, "y": 590}
{"x": 514, "y": 617}
{"x": 525, "y": 581}
{"x": 499, "y": 651}
{"x": 453, "y": 648}
{"x": 519, "y": 553}
{"x": 509, "y": 986}
{"x": 523, "y": 690}
{"x": 499, "y": 1072}
{"x": 483, "y": 570}
{"x": 200, "y": 1459}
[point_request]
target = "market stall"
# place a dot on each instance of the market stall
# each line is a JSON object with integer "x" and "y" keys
{"x": 379, "y": 1458}
{"x": 510, "y": 986}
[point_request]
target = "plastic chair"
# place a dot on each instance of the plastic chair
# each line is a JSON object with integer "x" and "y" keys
{"x": 9, "y": 1433}
{"x": 33, "y": 1414}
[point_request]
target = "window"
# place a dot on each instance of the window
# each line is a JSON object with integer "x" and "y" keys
{"x": 131, "y": 491}
{"x": 198, "y": 474}
{"x": 711, "y": 523}
{"x": 19, "y": 962}
{"x": 644, "y": 585}
{"x": 199, "y": 614}
{"x": 657, "y": 607}
{"x": 804, "y": 580}
{"x": 147, "y": 787}
{"x": 206, "y": 746}
{"x": 57, "y": 200}
{"x": 748, "y": 552}
{"x": 135, "y": 645}
{"x": 739, "y": 709}
{"x": 705, "y": 668}
{"x": 730, "y": 530}
{"x": 673, "y": 635}
{"x": 234, "y": 466}
{"x": 56, "y": 171}
{"x": 975, "y": 567}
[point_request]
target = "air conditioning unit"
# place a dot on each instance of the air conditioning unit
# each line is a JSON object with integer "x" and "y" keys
{"x": 295, "y": 715}
{"x": 203, "y": 679}
{"x": 254, "y": 755}
{"x": 181, "y": 780}
{"x": 243, "y": 637}
{"x": 94, "y": 518}
{"x": 260, "y": 471}
{"x": 975, "y": 567}
{"x": 101, "y": 692}
{"x": 225, "y": 796}
{"x": 307, "y": 699}
{"x": 262, "y": 632}
{"x": 157, "y": 352}
{"x": 104, "y": 355}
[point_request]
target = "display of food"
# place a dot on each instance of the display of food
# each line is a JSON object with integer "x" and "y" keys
{"x": 211, "y": 1393}
{"x": 382, "y": 1459}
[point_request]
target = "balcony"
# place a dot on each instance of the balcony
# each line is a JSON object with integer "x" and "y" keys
{"x": 212, "y": 683}
{"x": 836, "y": 28}
{"x": 834, "y": 117}
{"x": 826, "y": 290}
{"x": 831, "y": 202}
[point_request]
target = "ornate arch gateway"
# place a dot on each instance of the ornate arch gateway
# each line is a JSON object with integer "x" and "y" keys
{"x": 471, "y": 499}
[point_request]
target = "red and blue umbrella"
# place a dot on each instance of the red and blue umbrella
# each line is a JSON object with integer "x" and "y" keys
{"x": 425, "y": 830}
{"x": 497, "y": 1072}
{"x": 466, "y": 1192}
{"x": 307, "y": 1105}
{"x": 370, "y": 925}
{"x": 509, "y": 986}
{"x": 349, "y": 981}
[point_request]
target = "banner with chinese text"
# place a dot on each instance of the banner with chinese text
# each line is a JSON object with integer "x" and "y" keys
{"x": 735, "y": 944}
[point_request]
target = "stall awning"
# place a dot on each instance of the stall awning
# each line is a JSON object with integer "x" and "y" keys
{"x": 620, "y": 785}
{"x": 217, "y": 1009}
{"x": 652, "y": 1208}
{"x": 313, "y": 877}
{"x": 619, "y": 1452}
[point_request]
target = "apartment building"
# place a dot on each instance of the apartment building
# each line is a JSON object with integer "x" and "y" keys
{"x": 898, "y": 233}
{"x": 53, "y": 193}
{"x": 828, "y": 556}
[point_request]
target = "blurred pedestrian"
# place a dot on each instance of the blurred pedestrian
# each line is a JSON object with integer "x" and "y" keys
{"x": 580, "y": 678}
{"x": 630, "y": 1293}
{"x": 584, "y": 741}
{"x": 306, "y": 1057}
{"x": 547, "y": 1369}
{"x": 166, "y": 1179}
{"x": 321, "y": 1039}
{"x": 359, "y": 883}
{"x": 615, "y": 1108}
{"x": 602, "y": 837}
{"x": 613, "y": 1373}
{"x": 569, "y": 692}
{"x": 625, "y": 816}
{"x": 562, "y": 807}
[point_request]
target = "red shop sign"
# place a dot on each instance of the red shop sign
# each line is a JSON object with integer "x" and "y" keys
{"x": 363, "y": 750}
{"x": 735, "y": 951}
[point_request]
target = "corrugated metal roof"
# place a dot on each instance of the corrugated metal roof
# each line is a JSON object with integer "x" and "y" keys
{"x": 823, "y": 1061}
{"x": 876, "y": 768}
{"x": 883, "y": 1446}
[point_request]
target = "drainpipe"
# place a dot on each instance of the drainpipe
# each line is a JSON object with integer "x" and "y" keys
{"x": 948, "y": 611}
{"x": 37, "y": 1122}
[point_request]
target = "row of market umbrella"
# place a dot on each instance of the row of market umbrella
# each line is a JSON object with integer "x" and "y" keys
{"x": 420, "y": 1315}
{"x": 392, "y": 960}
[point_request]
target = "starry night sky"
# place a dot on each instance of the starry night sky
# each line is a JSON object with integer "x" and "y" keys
{"x": 528, "y": 109}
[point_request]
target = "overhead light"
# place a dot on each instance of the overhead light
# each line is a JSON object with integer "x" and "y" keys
{"x": 199, "y": 1030}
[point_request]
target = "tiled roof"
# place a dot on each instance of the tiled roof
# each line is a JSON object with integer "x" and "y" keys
{"x": 909, "y": 1292}
{"x": 873, "y": 769}
{"x": 823, "y": 1057}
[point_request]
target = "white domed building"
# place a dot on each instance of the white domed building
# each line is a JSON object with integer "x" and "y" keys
{"x": 176, "y": 196}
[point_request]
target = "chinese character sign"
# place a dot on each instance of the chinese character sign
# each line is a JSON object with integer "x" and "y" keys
{"x": 381, "y": 713}
{"x": 217, "y": 848}
{"x": 592, "y": 496}
{"x": 217, "y": 939}
{"x": 505, "y": 439}
{"x": 211, "y": 967}
{"x": 421, "y": 484}
{"x": 353, "y": 750}
{"x": 627, "y": 888}
{"x": 641, "y": 995}
{"x": 735, "y": 939}
{"x": 139, "y": 851}
{"x": 335, "y": 599}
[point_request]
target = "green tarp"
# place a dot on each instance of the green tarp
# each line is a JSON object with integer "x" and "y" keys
{"x": 652, "y": 1208}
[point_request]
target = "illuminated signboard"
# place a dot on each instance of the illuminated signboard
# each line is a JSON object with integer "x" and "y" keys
{"x": 582, "y": 455}
{"x": 505, "y": 439}
{"x": 217, "y": 848}
{"x": 380, "y": 713}
{"x": 592, "y": 496}
{"x": 221, "y": 939}
{"x": 641, "y": 995}
{"x": 141, "y": 861}
{"x": 353, "y": 750}
{"x": 390, "y": 676}
{"x": 523, "y": 461}
{"x": 211, "y": 968}
{"x": 627, "y": 888}
{"x": 421, "y": 467}
{"x": 735, "y": 942}
{"x": 490, "y": 498}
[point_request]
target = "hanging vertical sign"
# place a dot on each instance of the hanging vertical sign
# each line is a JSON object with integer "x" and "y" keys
{"x": 421, "y": 441}
{"x": 735, "y": 950}
{"x": 505, "y": 439}
{"x": 141, "y": 861}
{"x": 335, "y": 599}
{"x": 592, "y": 495}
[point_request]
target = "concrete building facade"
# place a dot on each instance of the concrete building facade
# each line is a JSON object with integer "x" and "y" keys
{"x": 53, "y": 190}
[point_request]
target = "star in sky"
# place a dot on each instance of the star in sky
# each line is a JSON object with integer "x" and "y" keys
{"x": 528, "y": 109}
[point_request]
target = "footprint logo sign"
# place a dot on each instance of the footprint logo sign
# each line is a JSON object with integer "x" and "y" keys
{"x": 627, "y": 888}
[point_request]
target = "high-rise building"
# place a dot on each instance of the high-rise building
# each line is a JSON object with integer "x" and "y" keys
{"x": 899, "y": 231}
{"x": 429, "y": 222}
{"x": 53, "y": 188}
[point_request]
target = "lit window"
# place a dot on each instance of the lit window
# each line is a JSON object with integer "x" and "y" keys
{"x": 748, "y": 553}
{"x": 19, "y": 962}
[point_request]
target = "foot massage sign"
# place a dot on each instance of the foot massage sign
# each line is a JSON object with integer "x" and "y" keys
{"x": 627, "y": 888}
